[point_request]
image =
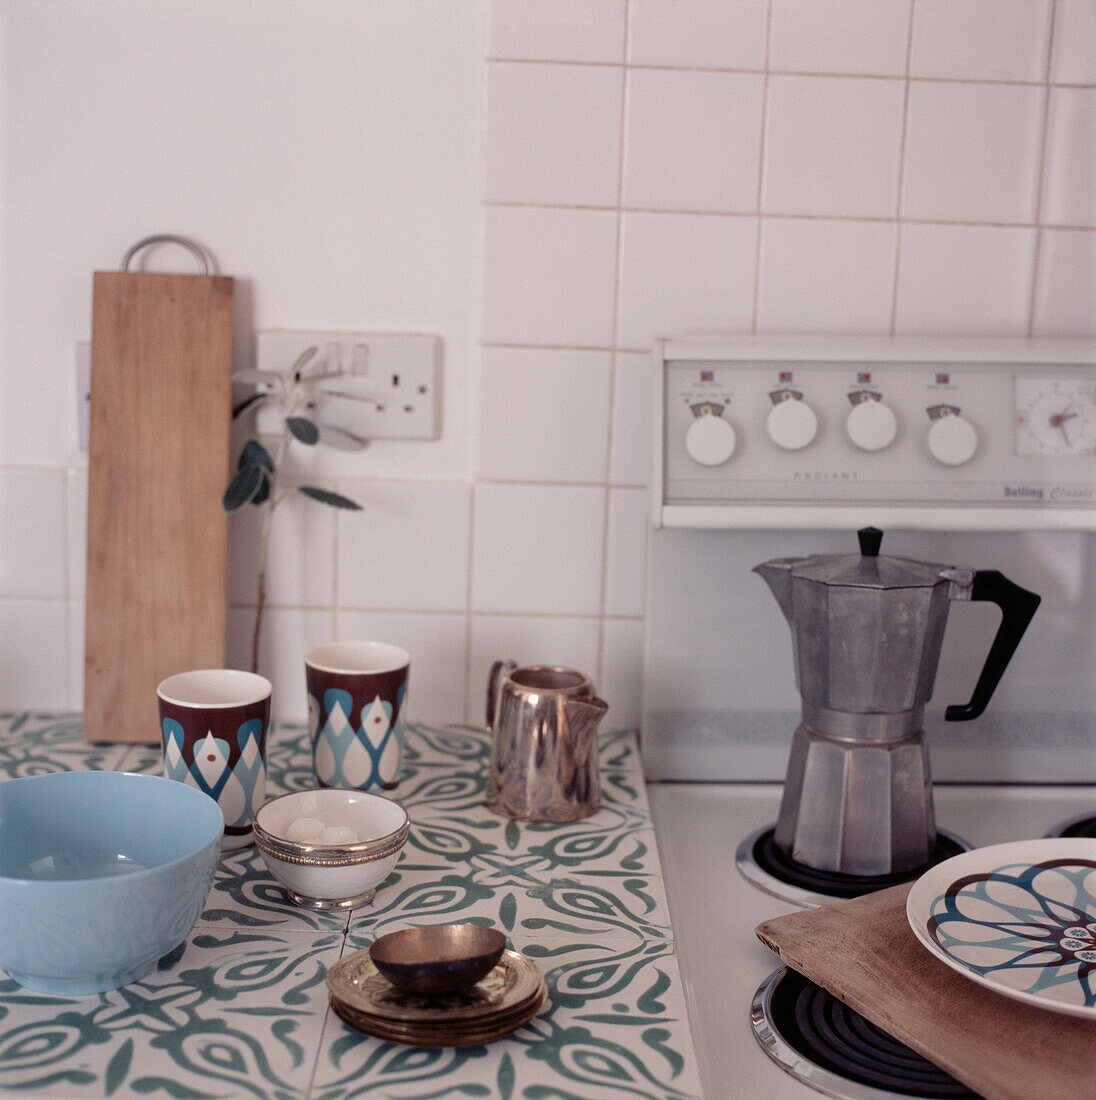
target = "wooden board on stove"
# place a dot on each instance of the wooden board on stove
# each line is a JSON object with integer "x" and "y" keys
{"x": 864, "y": 952}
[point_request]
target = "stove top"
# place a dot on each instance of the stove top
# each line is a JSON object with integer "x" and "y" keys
{"x": 817, "y": 1038}
{"x": 771, "y": 869}
{"x": 715, "y": 908}
{"x": 1085, "y": 825}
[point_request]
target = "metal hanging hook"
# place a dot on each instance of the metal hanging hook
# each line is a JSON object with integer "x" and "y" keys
{"x": 157, "y": 238}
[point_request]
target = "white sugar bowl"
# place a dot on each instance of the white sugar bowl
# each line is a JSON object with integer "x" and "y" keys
{"x": 331, "y": 847}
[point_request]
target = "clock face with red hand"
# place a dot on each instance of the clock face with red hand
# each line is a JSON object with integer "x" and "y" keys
{"x": 1055, "y": 416}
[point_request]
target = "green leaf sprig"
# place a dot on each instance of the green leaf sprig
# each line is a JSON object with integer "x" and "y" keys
{"x": 255, "y": 480}
{"x": 256, "y": 470}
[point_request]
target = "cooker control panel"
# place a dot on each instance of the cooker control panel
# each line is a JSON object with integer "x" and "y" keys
{"x": 925, "y": 433}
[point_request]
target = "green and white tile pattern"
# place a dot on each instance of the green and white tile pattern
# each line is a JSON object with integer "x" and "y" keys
{"x": 240, "y": 1010}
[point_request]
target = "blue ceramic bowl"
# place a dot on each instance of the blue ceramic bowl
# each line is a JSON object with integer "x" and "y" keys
{"x": 101, "y": 874}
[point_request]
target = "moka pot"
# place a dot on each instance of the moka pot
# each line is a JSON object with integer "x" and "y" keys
{"x": 866, "y": 634}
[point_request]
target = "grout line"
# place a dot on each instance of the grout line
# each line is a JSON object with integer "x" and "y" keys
{"x": 335, "y": 572}
{"x": 618, "y": 275}
{"x": 762, "y": 135}
{"x": 556, "y": 616}
{"x": 67, "y": 549}
{"x": 312, "y": 608}
{"x": 469, "y": 575}
{"x": 535, "y": 484}
{"x": 606, "y": 348}
{"x": 564, "y": 484}
{"x": 778, "y": 216}
{"x": 1040, "y": 178}
{"x": 16, "y": 597}
{"x": 902, "y": 142}
{"x": 70, "y": 652}
{"x": 810, "y": 73}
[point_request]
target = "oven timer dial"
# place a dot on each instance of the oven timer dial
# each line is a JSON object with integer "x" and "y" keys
{"x": 871, "y": 425}
{"x": 710, "y": 438}
{"x": 792, "y": 424}
{"x": 1055, "y": 416}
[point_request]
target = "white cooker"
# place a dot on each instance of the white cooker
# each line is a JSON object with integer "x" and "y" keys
{"x": 978, "y": 453}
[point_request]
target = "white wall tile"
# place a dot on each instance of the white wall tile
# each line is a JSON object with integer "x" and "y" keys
{"x": 343, "y": 188}
{"x": 529, "y": 640}
{"x": 683, "y": 273}
{"x": 437, "y": 644}
{"x": 557, "y": 30}
{"x": 626, "y": 553}
{"x": 35, "y": 413}
{"x": 1065, "y": 288}
{"x": 538, "y": 548}
{"x": 832, "y": 146}
{"x": 287, "y": 635}
{"x": 621, "y": 682}
{"x": 553, "y": 133}
{"x": 1074, "y": 57}
{"x": 853, "y": 37}
{"x": 972, "y": 152}
{"x": 633, "y": 419}
{"x": 548, "y": 276}
{"x": 76, "y": 488}
{"x": 716, "y": 34}
{"x": 694, "y": 140}
{"x": 544, "y": 415}
{"x": 964, "y": 280}
{"x": 407, "y": 548}
{"x": 1069, "y": 193}
{"x": 34, "y": 661}
{"x": 300, "y": 561}
{"x": 688, "y": 257}
{"x": 980, "y": 39}
{"x": 826, "y": 276}
{"x": 33, "y": 513}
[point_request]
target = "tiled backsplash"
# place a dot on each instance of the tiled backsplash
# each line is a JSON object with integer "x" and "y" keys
{"x": 550, "y": 185}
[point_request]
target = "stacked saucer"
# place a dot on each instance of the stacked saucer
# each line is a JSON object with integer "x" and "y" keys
{"x": 509, "y": 996}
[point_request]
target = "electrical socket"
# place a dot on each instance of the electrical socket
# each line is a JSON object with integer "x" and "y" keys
{"x": 373, "y": 385}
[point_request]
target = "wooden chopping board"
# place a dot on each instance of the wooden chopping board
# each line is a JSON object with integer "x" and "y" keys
{"x": 864, "y": 952}
{"x": 158, "y": 464}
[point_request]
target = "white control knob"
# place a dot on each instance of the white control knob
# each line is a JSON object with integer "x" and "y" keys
{"x": 710, "y": 439}
{"x": 871, "y": 425}
{"x": 952, "y": 439}
{"x": 791, "y": 423}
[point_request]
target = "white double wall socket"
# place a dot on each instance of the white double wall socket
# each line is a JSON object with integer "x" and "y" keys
{"x": 373, "y": 385}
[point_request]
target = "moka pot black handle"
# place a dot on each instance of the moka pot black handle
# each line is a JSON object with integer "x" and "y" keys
{"x": 1017, "y": 608}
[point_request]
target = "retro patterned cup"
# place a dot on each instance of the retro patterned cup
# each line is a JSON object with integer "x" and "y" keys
{"x": 357, "y": 694}
{"x": 213, "y": 726}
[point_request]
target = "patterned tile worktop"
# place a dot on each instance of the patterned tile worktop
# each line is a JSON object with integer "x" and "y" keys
{"x": 240, "y": 1010}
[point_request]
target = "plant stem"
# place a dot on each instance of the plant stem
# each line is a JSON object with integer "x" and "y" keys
{"x": 260, "y": 599}
{"x": 272, "y": 500}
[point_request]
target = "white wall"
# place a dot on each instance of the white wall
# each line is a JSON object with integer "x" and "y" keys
{"x": 548, "y": 184}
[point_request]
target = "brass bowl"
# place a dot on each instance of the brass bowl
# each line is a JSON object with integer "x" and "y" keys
{"x": 440, "y": 958}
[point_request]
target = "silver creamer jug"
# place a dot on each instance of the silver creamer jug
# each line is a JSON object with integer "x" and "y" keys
{"x": 543, "y": 722}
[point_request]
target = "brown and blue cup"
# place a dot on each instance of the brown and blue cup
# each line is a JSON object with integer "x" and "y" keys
{"x": 213, "y": 727}
{"x": 357, "y": 697}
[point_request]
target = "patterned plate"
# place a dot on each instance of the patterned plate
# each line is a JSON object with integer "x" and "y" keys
{"x": 1017, "y": 918}
{"x": 438, "y": 1033}
{"x": 514, "y": 984}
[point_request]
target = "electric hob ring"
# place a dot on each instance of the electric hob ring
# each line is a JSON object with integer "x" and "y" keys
{"x": 770, "y": 868}
{"x": 1085, "y": 825}
{"x": 822, "y": 1042}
